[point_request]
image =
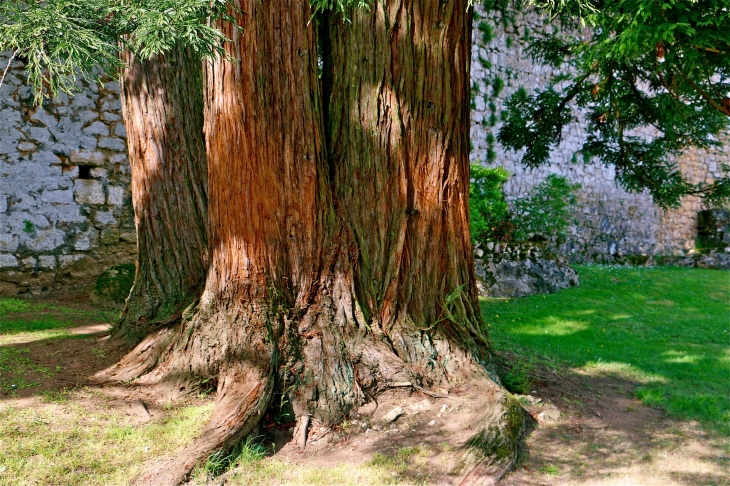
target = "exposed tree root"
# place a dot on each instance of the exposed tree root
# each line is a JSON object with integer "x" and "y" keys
{"x": 328, "y": 361}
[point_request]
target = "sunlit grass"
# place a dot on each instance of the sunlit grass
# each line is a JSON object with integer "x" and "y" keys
{"x": 59, "y": 441}
{"x": 406, "y": 466}
{"x": 667, "y": 329}
{"x": 24, "y": 321}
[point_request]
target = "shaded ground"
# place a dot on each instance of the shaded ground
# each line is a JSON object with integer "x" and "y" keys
{"x": 58, "y": 427}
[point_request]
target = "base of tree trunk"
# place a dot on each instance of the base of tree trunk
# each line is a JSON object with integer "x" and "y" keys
{"x": 328, "y": 363}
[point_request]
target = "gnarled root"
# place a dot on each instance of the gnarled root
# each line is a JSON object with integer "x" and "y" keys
{"x": 244, "y": 395}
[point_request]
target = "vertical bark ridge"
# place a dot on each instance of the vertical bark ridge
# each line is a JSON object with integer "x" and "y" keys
{"x": 399, "y": 117}
{"x": 162, "y": 99}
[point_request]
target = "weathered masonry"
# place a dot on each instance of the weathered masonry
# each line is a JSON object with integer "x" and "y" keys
{"x": 612, "y": 222}
{"x": 65, "y": 207}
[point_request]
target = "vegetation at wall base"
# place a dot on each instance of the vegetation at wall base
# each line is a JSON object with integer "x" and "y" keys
{"x": 544, "y": 213}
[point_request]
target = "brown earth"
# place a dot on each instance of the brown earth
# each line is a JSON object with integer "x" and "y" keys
{"x": 603, "y": 435}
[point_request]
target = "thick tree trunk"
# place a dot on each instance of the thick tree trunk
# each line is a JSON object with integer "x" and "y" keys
{"x": 399, "y": 119}
{"x": 163, "y": 109}
{"x": 335, "y": 277}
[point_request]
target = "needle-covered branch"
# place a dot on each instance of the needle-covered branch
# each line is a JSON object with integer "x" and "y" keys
{"x": 651, "y": 80}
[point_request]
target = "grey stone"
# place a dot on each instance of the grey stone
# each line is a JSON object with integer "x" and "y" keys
{"x": 89, "y": 191}
{"x": 99, "y": 173}
{"x": 47, "y": 262}
{"x": 115, "y": 196}
{"x": 97, "y": 128}
{"x": 38, "y": 134}
{"x": 59, "y": 196}
{"x": 113, "y": 144}
{"x": 105, "y": 218}
{"x": 8, "y": 243}
{"x": 26, "y": 146}
{"x": 87, "y": 158}
{"x": 504, "y": 276}
{"x": 87, "y": 240}
{"x": 42, "y": 116}
{"x": 393, "y": 415}
{"x": 45, "y": 240}
{"x": 28, "y": 263}
{"x": 549, "y": 415}
{"x": 8, "y": 261}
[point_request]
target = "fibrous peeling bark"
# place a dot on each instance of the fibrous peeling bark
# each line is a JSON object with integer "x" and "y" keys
{"x": 163, "y": 111}
{"x": 340, "y": 257}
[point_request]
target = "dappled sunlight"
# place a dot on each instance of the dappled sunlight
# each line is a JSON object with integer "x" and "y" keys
{"x": 29, "y": 337}
{"x": 681, "y": 357}
{"x": 87, "y": 437}
{"x": 554, "y": 326}
{"x": 653, "y": 327}
{"x": 621, "y": 370}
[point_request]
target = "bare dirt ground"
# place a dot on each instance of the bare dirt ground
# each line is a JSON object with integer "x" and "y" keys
{"x": 590, "y": 430}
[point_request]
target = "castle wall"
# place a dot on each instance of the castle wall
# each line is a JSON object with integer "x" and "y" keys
{"x": 610, "y": 221}
{"x": 65, "y": 208}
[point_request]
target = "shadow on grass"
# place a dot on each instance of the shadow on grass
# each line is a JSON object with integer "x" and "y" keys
{"x": 665, "y": 330}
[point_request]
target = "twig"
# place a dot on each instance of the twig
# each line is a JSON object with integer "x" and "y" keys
{"x": 5, "y": 73}
{"x": 404, "y": 384}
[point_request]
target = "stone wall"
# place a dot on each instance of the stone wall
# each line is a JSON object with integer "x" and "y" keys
{"x": 612, "y": 222}
{"x": 520, "y": 269}
{"x": 65, "y": 207}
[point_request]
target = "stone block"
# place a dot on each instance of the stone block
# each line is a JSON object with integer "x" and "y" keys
{"x": 42, "y": 116}
{"x": 47, "y": 262}
{"x": 115, "y": 196}
{"x": 39, "y": 134}
{"x": 27, "y": 147}
{"x": 8, "y": 243}
{"x": 105, "y": 218}
{"x": 97, "y": 128}
{"x": 87, "y": 240}
{"x": 69, "y": 213}
{"x": 89, "y": 191}
{"x": 28, "y": 263}
{"x": 45, "y": 240}
{"x": 8, "y": 261}
{"x": 99, "y": 173}
{"x": 115, "y": 144}
{"x": 87, "y": 158}
{"x": 87, "y": 142}
{"x": 111, "y": 117}
{"x": 58, "y": 197}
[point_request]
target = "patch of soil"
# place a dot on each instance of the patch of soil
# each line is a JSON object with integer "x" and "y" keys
{"x": 602, "y": 434}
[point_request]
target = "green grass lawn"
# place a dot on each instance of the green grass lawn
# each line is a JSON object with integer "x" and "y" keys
{"x": 667, "y": 329}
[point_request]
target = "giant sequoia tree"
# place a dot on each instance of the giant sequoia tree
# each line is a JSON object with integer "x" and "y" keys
{"x": 328, "y": 253}
{"x": 331, "y": 276}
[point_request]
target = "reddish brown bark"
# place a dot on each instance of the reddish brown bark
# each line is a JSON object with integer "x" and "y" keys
{"x": 163, "y": 109}
{"x": 335, "y": 276}
{"x": 399, "y": 115}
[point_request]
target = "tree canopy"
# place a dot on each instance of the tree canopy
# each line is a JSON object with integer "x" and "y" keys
{"x": 651, "y": 78}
